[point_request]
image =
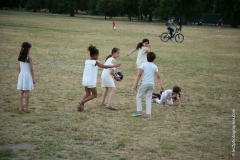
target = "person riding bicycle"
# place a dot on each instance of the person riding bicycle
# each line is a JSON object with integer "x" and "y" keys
{"x": 169, "y": 28}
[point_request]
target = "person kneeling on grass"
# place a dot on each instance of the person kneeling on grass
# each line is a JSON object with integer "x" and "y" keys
{"x": 146, "y": 71}
{"x": 167, "y": 96}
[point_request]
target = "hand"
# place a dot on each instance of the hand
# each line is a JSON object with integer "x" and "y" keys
{"x": 128, "y": 54}
{"x": 117, "y": 78}
{"x": 135, "y": 87}
{"x": 117, "y": 65}
{"x": 150, "y": 46}
{"x": 34, "y": 81}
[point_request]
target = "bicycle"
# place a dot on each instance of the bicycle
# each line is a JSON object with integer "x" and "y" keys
{"x": 165, "y": 36}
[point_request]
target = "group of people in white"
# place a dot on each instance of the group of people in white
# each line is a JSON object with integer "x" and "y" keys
{"x": 146, "y": 72}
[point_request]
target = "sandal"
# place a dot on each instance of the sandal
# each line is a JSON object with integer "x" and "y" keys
{"x": 80, "y": 107}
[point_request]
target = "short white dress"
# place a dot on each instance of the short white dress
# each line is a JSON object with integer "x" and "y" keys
{"x": 25, "y": 80}
{"x": 142, "y": 56}
{"x": 107, "y": 80}
{"x": 90, "y": 72}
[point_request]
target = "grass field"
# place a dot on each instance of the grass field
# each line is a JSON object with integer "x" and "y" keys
{"x": 206, "y": 65}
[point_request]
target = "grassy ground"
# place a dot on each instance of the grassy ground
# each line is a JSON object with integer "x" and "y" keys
{"x": 206, "y": 65}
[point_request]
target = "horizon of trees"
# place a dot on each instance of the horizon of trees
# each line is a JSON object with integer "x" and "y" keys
{"x": 228, "y": 10}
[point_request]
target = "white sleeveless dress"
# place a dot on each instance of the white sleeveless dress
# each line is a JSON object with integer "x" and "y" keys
{"x": 107, "y": 80}
{"x": 25, "y": 81}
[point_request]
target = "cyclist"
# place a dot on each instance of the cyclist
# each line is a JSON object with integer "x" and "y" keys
{"x": 169, "y": 28}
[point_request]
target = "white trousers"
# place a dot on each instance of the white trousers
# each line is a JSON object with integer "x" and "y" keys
{"x": 160, "y": 101}
{"x": 145, "y": 89}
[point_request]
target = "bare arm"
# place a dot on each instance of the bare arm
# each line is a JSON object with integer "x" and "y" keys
{"x": 112, "y": 71}
{"x": 31, "y": 68}
{"x": 140, "y": 72}
{"x": 159, "y": 80}
{"x": 19, "y": 70}
{"x": 132, "y": 52}
{"x": 107, "y": 66}
{"x": 179, "y": 101}
{"x": 165, "y": 100}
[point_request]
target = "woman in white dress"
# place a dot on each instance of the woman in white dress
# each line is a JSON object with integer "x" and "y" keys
{"x": 143, "y": 48}
{"x": 107, "y": 80}
{"x": 26, "y": 75}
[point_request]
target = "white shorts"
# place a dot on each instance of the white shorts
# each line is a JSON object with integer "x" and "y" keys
{"x": 91, "y": 86}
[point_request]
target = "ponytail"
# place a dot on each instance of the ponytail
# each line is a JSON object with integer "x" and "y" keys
{"x": 140, "y": 44}
{"x": 23, "y": 54}
{"x": 114, "y": 50}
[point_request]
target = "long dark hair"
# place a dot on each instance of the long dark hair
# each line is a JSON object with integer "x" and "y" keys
{"x": 140, "y": 44}
{"x": 24, "y": 52}
{"x": 93, "y": 50}
{"x": 114, "y": 50}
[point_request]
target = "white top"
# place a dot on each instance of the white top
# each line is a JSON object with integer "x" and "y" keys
{"x": 107, "y": 80}
{"x": 90, "y": 73}
{"x": 142, "y": 56}
{"x": 170, "y": 91}
{"x": 109, "y": 63}
{"x": 149, "y": 69}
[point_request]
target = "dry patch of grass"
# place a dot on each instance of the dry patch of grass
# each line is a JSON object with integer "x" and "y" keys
{"x": 206, "y": 66}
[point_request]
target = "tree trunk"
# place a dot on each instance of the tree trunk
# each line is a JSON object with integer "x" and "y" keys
{"x": 183, "y": 16}
{"x": 76, "y": 11}
{"x": 72, "y": 13}
{"x": 105, "y": 17}
{"x": 130, "y": 18}
{"x": 150, "y": 17}
{"x": 234, "y": 22}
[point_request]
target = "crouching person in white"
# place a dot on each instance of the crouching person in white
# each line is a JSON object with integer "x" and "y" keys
{"x": 167, "y": 96}
{"x": 147, "y": 70}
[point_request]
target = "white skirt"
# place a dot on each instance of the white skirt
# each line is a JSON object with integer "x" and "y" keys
{"x": 25, "y": 81}
{"x": 107, "y": 81}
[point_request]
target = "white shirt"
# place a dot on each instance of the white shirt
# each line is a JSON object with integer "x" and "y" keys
{"x": 90, "y": 73}
{"x": 149, "y": 69}
{"x": 142, "y": 56}
{"x": 170, "y": 91}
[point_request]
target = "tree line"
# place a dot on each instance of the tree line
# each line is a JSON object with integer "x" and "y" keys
{"x": 228, "y": 9}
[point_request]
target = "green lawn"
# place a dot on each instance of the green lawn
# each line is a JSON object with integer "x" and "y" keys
{"x": 206, "y": 66}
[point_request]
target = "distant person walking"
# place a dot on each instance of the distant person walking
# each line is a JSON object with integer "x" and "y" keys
{"x": 26, "y": 75}
{"x": 114, "y": 25}
{"x": 219, "y": 25}
{"x": 180, "y": 25}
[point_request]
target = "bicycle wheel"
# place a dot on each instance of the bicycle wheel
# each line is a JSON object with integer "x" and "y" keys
{"x": 179, "y": 38}
{"x": 164, "y": 37}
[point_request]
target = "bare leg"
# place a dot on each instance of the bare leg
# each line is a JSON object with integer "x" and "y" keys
{"x": 90, "y": 97}
{"x": 104, "y": 95}
{"x": 111, "y": 95}
{"x": 21, "y": 100}
{"x": 27, "y": 95}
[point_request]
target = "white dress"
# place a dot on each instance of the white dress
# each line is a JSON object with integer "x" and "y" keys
{"x": 25, "y": 80}
{"x": 107, "y": 80}
{"x": 142, "y": 56}
{"x": 89, "y": 78}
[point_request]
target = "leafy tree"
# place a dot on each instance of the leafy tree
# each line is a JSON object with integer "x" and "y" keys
{"x": 110, "y": 8}
{"x": 187, "y": 9}
{"x": 147, "y": 7}
{"x": 131, "y": 8}
{"x": 9, "y": 3}
{"x": 229, "y": 10}
{"x": 92, "y": 5}
{"x": 35, "y": 5}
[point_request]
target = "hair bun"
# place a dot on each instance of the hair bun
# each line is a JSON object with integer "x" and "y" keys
{"x": 92, "y": 48}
